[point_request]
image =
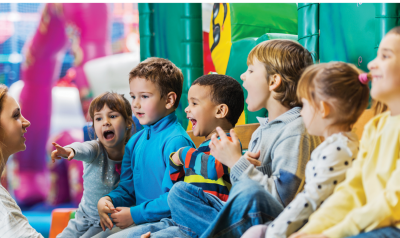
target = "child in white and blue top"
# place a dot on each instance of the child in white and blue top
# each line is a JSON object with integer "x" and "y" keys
{"x": 112, "y": 122}
{"x": 334, "y": 96}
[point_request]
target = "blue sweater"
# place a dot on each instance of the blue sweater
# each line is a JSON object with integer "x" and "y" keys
{"x": 145, "y": 180}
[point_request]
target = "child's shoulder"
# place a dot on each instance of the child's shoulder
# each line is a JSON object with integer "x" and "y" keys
{"x": 295, "y": 127}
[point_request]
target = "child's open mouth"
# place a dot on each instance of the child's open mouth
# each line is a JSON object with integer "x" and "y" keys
{"x": 194, "y": 122}
{"x": 109, "y": 135}
{"x": 139, "y": 114}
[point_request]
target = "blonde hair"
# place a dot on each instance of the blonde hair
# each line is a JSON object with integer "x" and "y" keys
{"x": 286, "y": 58}
{"x": 3, "y": 92}
{"x": 338, "y": 84}
{"x": 116, "y": 102}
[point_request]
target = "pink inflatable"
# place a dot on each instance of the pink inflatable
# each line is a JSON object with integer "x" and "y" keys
{"x": 88, "y": 25}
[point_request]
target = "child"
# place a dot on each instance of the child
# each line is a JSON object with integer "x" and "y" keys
{"x": 281, "y": 143}
{"x": 112, "y": 120}
{"x": 214, "y": 100}
{"x": 141, "y": 196}
{"x": 367, "y": 202}
{"x": 326, "y": 90}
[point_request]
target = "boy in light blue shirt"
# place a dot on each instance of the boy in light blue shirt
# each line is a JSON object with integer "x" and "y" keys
{"x": 141, "y": 196}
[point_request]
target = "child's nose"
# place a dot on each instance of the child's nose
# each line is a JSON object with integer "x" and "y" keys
{"x": 135, "y": 103}
{"x": 243, "y": 77}
{"x": 187, "y": 109}
{"x": 372, "y": 65}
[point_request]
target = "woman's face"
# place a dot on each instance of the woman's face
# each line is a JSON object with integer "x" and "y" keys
{"x": 12, "y": 127}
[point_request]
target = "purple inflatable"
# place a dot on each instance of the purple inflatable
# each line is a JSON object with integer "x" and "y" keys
{"x": 88, "y": 25}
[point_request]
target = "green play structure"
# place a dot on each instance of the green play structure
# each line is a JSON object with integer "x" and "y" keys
{"x": 349, "y": 32}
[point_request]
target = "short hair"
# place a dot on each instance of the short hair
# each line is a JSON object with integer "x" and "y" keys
{"x": 338, "y": 84}
{"x": 163, "y": 73}
{"x": 116, "y": 102}
{"x": 224, "y": 90}
{"x": 286, "y": 58}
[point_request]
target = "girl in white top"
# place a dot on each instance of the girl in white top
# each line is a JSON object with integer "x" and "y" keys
{"x": 334, "y": 96}
{"x": 12, "y": 129}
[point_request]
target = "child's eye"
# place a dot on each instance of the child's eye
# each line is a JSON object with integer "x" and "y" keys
{"x": 385, "y": 56}
{"x": 98, "y": 119}
{"x": 194, "y": 104}
{"x": 144, "y": 96}
{"x": 113, "y": 116}
{"x": 250, "y": 71}
{"x": 133, "y": 97}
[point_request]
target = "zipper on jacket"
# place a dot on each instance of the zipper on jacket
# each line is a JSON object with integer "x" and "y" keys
{"x": 148, "y": 134}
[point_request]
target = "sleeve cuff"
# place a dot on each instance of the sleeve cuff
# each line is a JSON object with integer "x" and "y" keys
{"x": 136, "y": 213}
{"x": 237, "y": 170}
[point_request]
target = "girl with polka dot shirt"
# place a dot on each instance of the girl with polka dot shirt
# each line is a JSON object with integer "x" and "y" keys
{"x": 334, "y": 96}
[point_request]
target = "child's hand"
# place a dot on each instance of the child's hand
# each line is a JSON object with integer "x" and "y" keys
{"x": 224, "y": 150}
{"x": 176, "y": 159}
{"x": 122, "y": 218}
{"x": 147, "y": 235}
{"x": 61, "y": 152}
{"x": 105, "y": 206}
{"x": 253, "y": 158}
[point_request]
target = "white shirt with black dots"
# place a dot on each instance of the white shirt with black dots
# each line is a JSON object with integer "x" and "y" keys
{"x": 326, "y": 168}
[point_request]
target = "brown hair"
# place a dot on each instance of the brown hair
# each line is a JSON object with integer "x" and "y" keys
{"x": 116, "y": 102}
{"x": 163, "y": 73}
{"x": 286, "y": 58}
{"x": 336, "y": 83}
{"x": 3, "y": 92}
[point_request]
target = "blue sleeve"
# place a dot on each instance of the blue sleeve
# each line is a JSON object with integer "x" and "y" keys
{"x": 156, "y": 209}
{"x": 124, "y": 194}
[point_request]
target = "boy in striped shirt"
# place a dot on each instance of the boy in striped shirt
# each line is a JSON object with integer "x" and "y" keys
{"x": 214, "y": 100}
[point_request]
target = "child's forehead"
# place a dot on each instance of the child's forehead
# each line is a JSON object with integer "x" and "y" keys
{"x": 200, "y": 91}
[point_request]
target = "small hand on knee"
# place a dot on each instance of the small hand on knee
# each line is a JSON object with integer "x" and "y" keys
{"x": 122, "y": 217}
{"x": 147, "y": 235}
{"x": 104, "y": 207}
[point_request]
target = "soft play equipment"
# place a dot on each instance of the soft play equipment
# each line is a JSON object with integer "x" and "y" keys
{"x": 233, "y": 34}
{"x": 349, "y": 32}
{"x": 111, "y": 73}
{"x": 88, "y": 25}
{"x": 174, "y": 31}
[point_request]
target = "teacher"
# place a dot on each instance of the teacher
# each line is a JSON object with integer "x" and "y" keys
{"x": 12, "y": 129}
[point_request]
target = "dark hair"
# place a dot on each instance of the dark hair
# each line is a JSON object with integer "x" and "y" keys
{"x": 286, "y": 58}
{"x": 116, "y": 102}
{"x": 163, "y": 73}
{"x": 338, "y": 84}
{"x": 224, "y": 90}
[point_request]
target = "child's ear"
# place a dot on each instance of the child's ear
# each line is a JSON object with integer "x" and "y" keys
{"x": 222, "y": 111}
{"x": 275, "y": 81}
{"x": 324, "y": 109}
{"x": 171, "y": 99}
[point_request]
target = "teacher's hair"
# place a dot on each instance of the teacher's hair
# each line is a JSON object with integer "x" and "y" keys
{"x": 3, "y": 92}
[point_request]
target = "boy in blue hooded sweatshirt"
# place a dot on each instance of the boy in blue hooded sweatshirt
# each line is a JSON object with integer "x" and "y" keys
{"x": 141, "y": 196}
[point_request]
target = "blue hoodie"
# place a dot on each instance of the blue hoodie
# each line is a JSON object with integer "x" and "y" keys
{"x": 145, "y": 180}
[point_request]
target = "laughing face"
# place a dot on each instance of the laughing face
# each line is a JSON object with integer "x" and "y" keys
{"x": 13, "y": 127}
{"x": 201, "y": 110}
{"x": 385, "y": 70}
{"x": 110, "y": 127}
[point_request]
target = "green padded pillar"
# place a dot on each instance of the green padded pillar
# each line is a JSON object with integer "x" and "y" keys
{"x": 386, "y": 17}
{"x": 174, "y": 31}
{"x": 146, "y": 30}
{"x": 308, "y": 27}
